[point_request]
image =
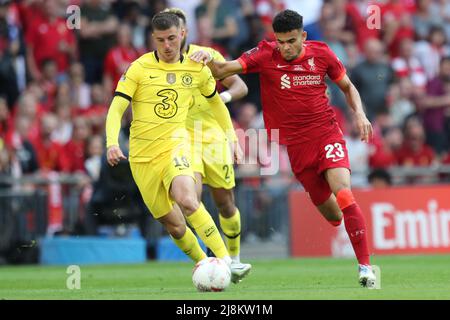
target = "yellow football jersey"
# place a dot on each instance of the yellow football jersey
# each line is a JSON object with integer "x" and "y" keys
{"x": 160, "y": 95}
{"x": 200, "y": 119}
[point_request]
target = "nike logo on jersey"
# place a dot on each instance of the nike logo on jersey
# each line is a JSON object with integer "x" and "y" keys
{"x": 336, "y": 160}
{"x": 153, "y": 77}
{"x": 297, "y": 67}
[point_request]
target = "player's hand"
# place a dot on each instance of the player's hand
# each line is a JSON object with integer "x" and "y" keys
{"x": 364, "y": 126}
{"x": 236, "y": 150}
{"x": 114, "y": 155}
{"x": 201, "y": 56}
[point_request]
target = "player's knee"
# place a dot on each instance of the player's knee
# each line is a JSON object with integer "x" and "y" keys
{"x": 188, "y": 203}
{"x": 340, "y": 186}
{"x": 227, "y": 208}
{"x": 344, "y": 198}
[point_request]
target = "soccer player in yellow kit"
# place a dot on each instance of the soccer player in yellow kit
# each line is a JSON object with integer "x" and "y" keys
{"x": 211, "y": 157}
{"x": 159, "y": 86}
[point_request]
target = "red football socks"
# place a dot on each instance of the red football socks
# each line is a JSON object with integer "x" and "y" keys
{"x": 355, "y": 225}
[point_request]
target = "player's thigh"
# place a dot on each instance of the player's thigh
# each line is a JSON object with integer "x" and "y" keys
{"x": 338, "y": 179}
{"x": 178, "y": 176}
{"x": 196, "y": 158}
{"x": 218, "y": 166}
{"x": 197, "y": 166}
{"x": 151, "y": 186}
{"x": 198, "y": 185}
{"x": 334, "y": 163}
{"x": 330, "y": 209}
{"x": 315, "y": 184}
{"x": 179, "y": 180}
{"x": 182, "y": 189}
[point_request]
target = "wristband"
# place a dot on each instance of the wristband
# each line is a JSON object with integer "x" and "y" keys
{"x": 225, "y": 96}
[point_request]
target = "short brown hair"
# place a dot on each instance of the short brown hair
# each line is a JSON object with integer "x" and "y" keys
{"x": 165, "y": 20}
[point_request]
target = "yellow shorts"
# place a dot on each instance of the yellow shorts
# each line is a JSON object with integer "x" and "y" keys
{"x": 155, "y": 177}
{"x": 214, "y": 162}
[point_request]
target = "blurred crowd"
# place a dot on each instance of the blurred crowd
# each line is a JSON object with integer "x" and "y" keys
{"x": 58, "y": 75}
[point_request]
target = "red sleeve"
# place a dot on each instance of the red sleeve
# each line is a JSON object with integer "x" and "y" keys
{"x": 336, "y": 70}
{"x": 253, "y": 59}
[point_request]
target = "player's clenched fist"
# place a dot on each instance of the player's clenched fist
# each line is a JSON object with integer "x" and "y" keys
{"x": 114, "y": 155}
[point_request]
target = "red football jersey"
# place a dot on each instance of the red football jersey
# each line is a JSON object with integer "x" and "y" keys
{"x": 293, "y": 93}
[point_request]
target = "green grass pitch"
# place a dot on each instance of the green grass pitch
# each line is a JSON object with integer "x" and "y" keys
{"x": 402, "y": 277}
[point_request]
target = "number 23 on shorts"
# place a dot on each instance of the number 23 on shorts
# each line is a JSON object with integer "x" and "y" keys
{"x": 335, "y": 151}
{"x": 227, "y": 169}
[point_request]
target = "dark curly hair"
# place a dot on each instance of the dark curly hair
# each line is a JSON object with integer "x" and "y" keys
{"x": 286, "y": 21}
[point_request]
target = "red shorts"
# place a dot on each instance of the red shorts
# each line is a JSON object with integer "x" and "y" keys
{"x": 309, "y": 160}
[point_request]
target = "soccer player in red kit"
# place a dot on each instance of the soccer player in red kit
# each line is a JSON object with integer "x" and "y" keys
{"x": 293, "y": 93}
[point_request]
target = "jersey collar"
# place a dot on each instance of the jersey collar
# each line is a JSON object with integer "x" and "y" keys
{"x": 157, "y": 58}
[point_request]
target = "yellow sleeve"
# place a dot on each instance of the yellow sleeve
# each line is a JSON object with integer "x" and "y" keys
{"x": 114, "y": 120}
{"x": 207, "y": 84}
{"x": 218, "y": 108}
{"x": 128, "y": 83}
{"x": 217, "y": 55}
{"x": 220, "y": 111}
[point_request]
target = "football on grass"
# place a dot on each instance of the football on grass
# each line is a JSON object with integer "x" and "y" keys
{"x": 211, "y": 274}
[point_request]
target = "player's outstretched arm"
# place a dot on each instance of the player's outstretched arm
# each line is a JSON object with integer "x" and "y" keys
{"x": 354, "y": 101}
{"x": 219, "y": 69}
{"x": 113, "y": 124}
